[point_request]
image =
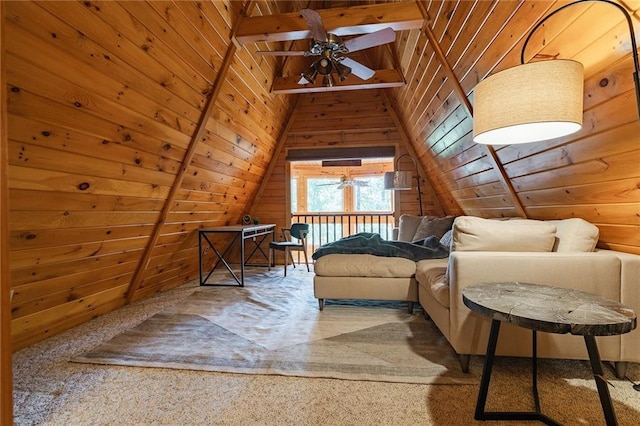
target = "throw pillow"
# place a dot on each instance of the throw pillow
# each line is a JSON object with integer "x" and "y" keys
{"x": 407, "y": 227}
{"x": 575, "y": 234}
{"x": 478, "y": 234}
{"x": 435, "y": 226}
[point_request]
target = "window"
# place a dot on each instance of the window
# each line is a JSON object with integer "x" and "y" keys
{"x": 323, "y": 195}
{"x": 340, "y": 189}
{"x": 372, "y": 198}
{"x": 294, "y": 195}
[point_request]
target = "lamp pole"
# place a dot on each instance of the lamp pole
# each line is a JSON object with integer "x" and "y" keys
{"x": 634, "y": 47}
{"x": 415, "y": 166}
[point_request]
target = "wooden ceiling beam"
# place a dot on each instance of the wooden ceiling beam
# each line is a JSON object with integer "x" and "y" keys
{"x": 342, "y": 21}
{"x": 381, "y": 79}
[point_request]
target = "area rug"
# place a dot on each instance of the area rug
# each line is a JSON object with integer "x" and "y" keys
{"x": 273, "y": 326}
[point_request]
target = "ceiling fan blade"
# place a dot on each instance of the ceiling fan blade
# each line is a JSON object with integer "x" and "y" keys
{"x": 358, "y": 69}
{"x": 386, "y": 35}
{"x": 314, "y": 22}
{"x": 280, "y": 53}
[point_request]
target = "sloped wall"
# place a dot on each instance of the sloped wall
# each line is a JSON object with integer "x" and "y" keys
{"x": 593, "y": 174}
{"x": 104, "y": 99}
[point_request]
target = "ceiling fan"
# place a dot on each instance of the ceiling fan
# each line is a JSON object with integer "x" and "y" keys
{"x": 331, "y": 50}
{"x": 345, "y": 181}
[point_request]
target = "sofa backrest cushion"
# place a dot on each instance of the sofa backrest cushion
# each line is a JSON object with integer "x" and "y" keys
{"x": 435, "y": 226}
{"x": 575, "y": 235}
{"x": 477, "y": 234}
{"x": 407, "y": 226}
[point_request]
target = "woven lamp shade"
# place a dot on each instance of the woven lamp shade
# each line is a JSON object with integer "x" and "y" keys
{"x": 530, "y": 102}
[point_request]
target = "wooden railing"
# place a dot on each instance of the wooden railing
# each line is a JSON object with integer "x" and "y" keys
{"x": 329, "y": 227}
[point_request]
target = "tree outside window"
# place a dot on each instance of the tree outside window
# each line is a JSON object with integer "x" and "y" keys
{"x": 323, "y": 195}
{"x": 294, "y": 195}
{"x": 372, "y": 198}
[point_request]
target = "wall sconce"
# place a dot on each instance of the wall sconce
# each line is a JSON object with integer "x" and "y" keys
{"x": 400, "y": 180}
{"x": 539, "y": 100}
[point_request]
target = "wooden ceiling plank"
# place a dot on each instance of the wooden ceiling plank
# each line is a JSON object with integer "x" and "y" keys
{"x": 197, "y": 136}
{"x": 420, "y": 58}
{"x": 340, "y": 21}
{"x": 489, "y": 150}
{"x": 468, "y": 15}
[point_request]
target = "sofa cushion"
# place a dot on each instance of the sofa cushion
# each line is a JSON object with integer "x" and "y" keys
{"x": 431, "y": 274}
{"x": 436, "y": 226}
{"x": 477, "y": 234}
{"x": 364, "y": 265}
{"x": 407, "y": 227}
{"x": 575, "y": 234}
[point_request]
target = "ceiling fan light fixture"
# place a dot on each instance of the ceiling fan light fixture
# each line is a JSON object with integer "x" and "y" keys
{"x": 309, "y": 76}
{"x": 327, "y": 81}
{"x": 343, "y": 71}
{"x": 324, "y": 66}
{"x": 316, "y": 48}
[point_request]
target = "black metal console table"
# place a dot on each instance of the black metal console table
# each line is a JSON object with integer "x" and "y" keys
{"x": 551, "y": 310}
{"x": 255, "y": 233}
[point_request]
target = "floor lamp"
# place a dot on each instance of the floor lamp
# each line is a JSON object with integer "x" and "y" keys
{"x": 539, "y": 100}
{"x": 400, "y": 180}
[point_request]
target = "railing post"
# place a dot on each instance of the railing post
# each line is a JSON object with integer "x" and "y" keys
{"x": 329, "y": 227}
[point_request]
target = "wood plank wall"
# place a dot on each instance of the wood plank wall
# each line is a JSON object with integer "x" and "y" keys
{"x": 104, "y": 98}
{"x": 346, "y": 119}
{"x": 6, "y": 367}
{"x": 593, "y": 174}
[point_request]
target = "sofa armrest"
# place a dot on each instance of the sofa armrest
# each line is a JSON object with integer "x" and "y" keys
{"x": 630, "y": 296}
{"x": 593, "y": 272}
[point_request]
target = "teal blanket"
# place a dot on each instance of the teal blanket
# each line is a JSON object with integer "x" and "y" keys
{"x": 369, "y": 243}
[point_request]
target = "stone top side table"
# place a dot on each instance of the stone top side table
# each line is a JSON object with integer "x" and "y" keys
{"x": 551, "y": 310}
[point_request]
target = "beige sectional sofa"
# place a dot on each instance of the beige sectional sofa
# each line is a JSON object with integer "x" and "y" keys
{"x": 368, "y": 277}
{"x": 364, "y": 276}
{"x": 559, "y": 253}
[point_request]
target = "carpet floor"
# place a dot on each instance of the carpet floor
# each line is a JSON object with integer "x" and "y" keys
{"x": 51, "y": 390}
{"x": 274, "y": 327}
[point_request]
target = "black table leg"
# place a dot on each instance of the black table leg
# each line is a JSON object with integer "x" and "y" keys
{"x": 257, "y": 242}
{"x": 203, "y": 282}
{"x": 486, "y": 371}
{"x": 601, "y": 382}
{"x": 480, "y": 413}
{"x": 242, "y": 238}
{"x": 200, "y": 255}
